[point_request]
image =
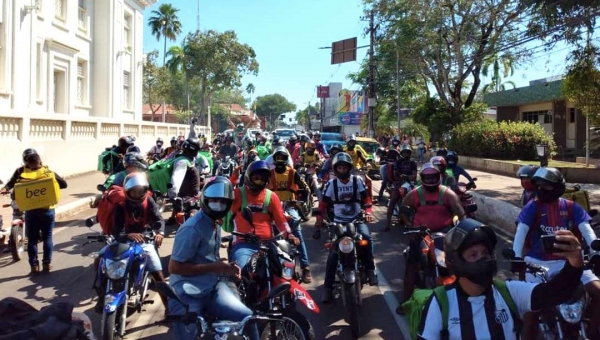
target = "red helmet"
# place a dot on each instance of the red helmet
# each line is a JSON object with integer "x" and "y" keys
{"x": 430, "y": 175}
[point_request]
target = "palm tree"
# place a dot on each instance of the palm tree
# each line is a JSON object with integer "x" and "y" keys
{"x": 496, "y": 61}
{"x": 165, "y": 23}
{"x": 250, "y": 88}
{"x": 178, "y": 59}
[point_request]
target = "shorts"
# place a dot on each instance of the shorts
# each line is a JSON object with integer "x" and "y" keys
{"x": 555, "y": 266}
{"x": 153, "y": 260}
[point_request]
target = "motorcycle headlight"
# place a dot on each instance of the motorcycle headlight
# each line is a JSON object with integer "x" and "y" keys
{"x": 572, "y": 312}
{"x": 346, "y": 245}
{"x": 115, "y": 269}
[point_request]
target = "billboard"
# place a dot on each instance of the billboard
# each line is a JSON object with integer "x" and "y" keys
{"x": 351, "y": 107}
{"x": 322, "y": 91}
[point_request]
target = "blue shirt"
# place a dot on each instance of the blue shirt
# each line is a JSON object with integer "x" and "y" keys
{"x": 552, "y": 217}
{"x": 197, "y": 241}
{"x": 457, "y": 170}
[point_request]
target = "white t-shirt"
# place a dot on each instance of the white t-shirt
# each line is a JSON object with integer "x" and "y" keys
{"x": 348, "y": 206}
{"x": 470, "y": 317}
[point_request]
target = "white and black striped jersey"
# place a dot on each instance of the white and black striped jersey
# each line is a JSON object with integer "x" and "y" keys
{"x": 476, "y": 317}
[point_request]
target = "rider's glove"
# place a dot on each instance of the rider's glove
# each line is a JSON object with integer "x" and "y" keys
{"x": 471, "y": 185}
{"x": 316, "y": 234}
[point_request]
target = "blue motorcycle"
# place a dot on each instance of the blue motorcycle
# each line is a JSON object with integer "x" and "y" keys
{"x": 126, "y": 279}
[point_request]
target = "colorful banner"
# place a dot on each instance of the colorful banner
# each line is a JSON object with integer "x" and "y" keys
{"x": 350, "y": 118}
{"x": 351, "y": 107}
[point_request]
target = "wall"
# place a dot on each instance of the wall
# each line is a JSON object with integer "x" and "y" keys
{"x": 71, "y": 145}
{"x": 560, "y": 123}
{"x": 504, "y": 113}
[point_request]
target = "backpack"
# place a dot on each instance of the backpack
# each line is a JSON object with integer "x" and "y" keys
{"x": 416, "y": 304}
{"x": 263, "y": 152}
{"x": 33, "y": 180}
{"x": 161, "y": 171}
{"x": 354, "y": 191}
{"x": 108, "y": 166}
{"x": 228, "y": 219}
{"x": 421, "y": 195}
{"x": 105, "y": 215}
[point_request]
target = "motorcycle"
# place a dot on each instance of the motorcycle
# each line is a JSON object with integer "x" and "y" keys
{"x": 16, "y": 234}
{"x": 226, "y": 167}
{"x": 567, "y": 320}
{"x": 159, "y": 198}
{"x": 466, "y": 199}
{"x": 351, "y": 273}
{"x": 123, "y": 266}
{"x": 272, "y": 266}
{"x": 209, "y": 327}
{"x": 189, "y": 207}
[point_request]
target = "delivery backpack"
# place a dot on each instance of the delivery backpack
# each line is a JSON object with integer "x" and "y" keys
{"x": 228, "y": 219}
{"x": 42, "y": 178}
{"x": 160, "y": 173}
{"x": 414, "y": 307}
{"x": 262, "y": 151}
{"x": 109, "y": 164}
{"x": 105, "y": 215}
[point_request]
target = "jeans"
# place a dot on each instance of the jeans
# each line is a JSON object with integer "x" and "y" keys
{"x": 367, "y": 256}
{"x": 384, "y": 180}
{"x": 36, "y": 221}
{"x": 297, "y": 231}
{"x": 221, "y": 303}
{"x": 421, "y": 152}
{"x": 242, "y": 252}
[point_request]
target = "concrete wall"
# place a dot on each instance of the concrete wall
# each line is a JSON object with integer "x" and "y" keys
{"x": 560, "y": 123}
{"x": 71, "y": 145}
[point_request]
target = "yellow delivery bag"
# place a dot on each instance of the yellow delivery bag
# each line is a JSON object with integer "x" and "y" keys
{"x": 37, "y": 189}
{"x": 579, "y": 196}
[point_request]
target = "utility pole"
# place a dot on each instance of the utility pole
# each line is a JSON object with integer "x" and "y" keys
{"x": 198, "y": 17}
{"x": 371, "y": 101}
{"x": 322, "y": 113}
{"x": 398, "y": 88}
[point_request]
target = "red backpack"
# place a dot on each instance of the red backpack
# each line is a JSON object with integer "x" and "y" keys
{"x": 115, "y": 195}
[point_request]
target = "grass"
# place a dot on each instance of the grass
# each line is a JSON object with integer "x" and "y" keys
{"x": 551, "y": 163}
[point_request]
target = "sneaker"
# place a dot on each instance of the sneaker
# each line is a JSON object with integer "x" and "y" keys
{"x": 327, "y": 295}
{"x": 46, "y": 267}
{"x": 372, "y": 277}
{"x": 35, "y": 269}
{"x": 306, "y": 276}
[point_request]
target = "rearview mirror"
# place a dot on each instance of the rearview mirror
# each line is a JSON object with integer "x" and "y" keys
{"x": 101, "y": 187}
{"x": 595, "y": 245}
{"x": 89, "y": 222}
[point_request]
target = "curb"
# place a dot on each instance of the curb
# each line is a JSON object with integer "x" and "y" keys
{"x": 498, "y": 214}
{"x": 65, "y": 211}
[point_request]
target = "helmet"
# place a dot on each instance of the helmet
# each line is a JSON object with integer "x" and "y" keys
{"x": 219, "y": 188}
{"x": 281, "y": 151}
{"x": 133, "y": 149}
{"x": 337, "y": 148}
{"x": 28, "y": 152}
{"x": 393, "y": 155}
{"x": 191, "y": 144}
{"x": 452, "y": 159}
{"x": 257, "y": 167}
{"x": 159, "y": 141}
{"x": 404, "y": 150}
{"x": 136, "y": 187}
{"x": 304, "y": 138}
{"x": 248, "y": 142}
{"x": 276, "y": 141}
{"x": 442, "y": 152}
{"x": 342, "y": 158}
{"x": 466, "y": 234}
{"x": 395, "y": 141}
{"x": 293, "y": 138}
{"x": 126, "y": 141}
{"x": 310, "y": 134}
{"x": 310, "y": 145}
{"x": 135, "y": 159}
{"x": 240, "y": 127}
{"x": 317, "y": 135}
{"x": 550, "y": 184}
{"x": 440, "y": 162}
{"x": 527, "y": 171}
{"x": 381, "y": 152}
{"x": 229, "y": 137}
{"x": 430, "y": 176}
{"x": 173, "y": 141}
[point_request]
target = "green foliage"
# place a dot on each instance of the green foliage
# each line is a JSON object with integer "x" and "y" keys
{"x": 155, "y": 83}
{"x": 183, "y": 116}
{"x": 438, "y": 119}
{"x": 581, "y": 85}
{"x": 270, "y": 106}
{"x": 499, "y": 140}
{"x": 165, "y": 23}
{"x": 414, "y": 129}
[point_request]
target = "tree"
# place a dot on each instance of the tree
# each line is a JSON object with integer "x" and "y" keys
{"x": 507, "y": 70}
{"x": 303, "y": 116}
{"x": 217, "y": 61}
{"x": 165, "y": 23}
{"x": 178, "y": 58}
{"x": 270, "y": 106}
{"x": 447, "y": 42}
{"x": 250, "y": 88}
{"x": 155, "y": 82}
{"x": 581, "y": 85}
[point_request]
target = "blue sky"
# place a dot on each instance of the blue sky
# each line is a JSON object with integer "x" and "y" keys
{"x": 286, "y": 36}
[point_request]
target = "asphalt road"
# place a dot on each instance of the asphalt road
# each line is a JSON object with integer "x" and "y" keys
{"x": 72, "y": 276}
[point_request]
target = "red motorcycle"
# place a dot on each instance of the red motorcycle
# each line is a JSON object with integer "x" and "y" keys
{"x": 466, "y": 199}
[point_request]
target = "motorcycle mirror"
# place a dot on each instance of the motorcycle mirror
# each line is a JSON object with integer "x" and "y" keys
{"x": 247, "y": 214}
{"x": 471, "y": 208}
{"x": 591, "y": 212}
{"x": 595, "y": 245}
{"x": 101, "y": 187}
{"x": 279, "y": 290}
{"x": 157, "y": 225}
{"x": 89, "y": 222}
{"x": 508, "y": 253}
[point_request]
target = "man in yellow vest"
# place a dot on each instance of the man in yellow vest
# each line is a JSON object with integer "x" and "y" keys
{"x": 311, "y": 159}
{"x": 359, "y": 160}
{"x": 285, "y": 181}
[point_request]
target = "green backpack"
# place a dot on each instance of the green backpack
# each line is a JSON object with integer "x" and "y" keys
{"x": 110, "y": 179}
{"x": 263, "y": 152}
{"x": 208, "y": 158}
{"x": 228, "y": 219}
{"x": 414, "y": 307}
{"x": 101, "y": 165}
{"x": 160, "y": 173}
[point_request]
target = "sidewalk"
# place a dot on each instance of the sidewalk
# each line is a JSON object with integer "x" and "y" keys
{"x": 74, "y": 199}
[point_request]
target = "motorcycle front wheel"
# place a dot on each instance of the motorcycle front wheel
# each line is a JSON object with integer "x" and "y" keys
{"x": 16, "y": 242}
{"x": 109, "y": 326}
{"x": 293, "y": 326}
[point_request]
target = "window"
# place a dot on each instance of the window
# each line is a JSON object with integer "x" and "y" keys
{"x": 126, "y": 91}
{"x": 60, "y": 10}
{"x": 81, "y": 82}
{"x": 38, "y": 71}
{"x": 127, "y": 32}
{"x": 547, "y": 117}
{"x": 572, "y": 115}
{"x": 59, "y": 91}
{"x": 531, "y": 117}
{"x": 82, "y": 16}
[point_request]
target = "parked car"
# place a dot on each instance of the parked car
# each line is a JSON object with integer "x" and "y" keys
{"x": 284, "y": 134}
{"x": 370, "y": 145}
{"x": 330, "y": 138}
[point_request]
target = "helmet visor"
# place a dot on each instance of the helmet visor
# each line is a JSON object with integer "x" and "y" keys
{"x": 137, "y": 193}
{"x": 430, "y": 179}
{"x": 218, "y": 190}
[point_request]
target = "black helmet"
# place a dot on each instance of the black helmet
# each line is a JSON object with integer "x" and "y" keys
{"x": 395, "y": 141}
{"x": 248, "y": 142}
{"x": 220, "y": 188}
{"x": 527, "y": 171}
{"x": 135, "y": 159}
{"x": 381, "y": 152}
{"x": 337, "y": 148}
{"x": 304, "y": 138}
{"x": 342, "y": 158}
{"x": 281, "y": 151}
{"x": 133, "y": 149}
{"x": 442, "y": 152}
{"x": 126, "y": 141}
{"x": 466, "y": 234}
{"x": 28, "y": 152}
{"x": 240, "y": 127}
{"x": 173, "y": 141}
{"x": 136, "y": 187}
{"x": 257, "y": 167}
{"x": 159, "y": 140}
{"x": 293, "y": 138}
{"x": 404, "y": 150}
{"x": 545, "y": 177}
{"x": 451, "y": 159}
{"x": 191, "y": 145}
{"x": 393, "y": 155}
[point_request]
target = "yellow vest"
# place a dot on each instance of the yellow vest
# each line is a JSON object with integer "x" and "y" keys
{"x": 356, "y": 161}
{"x": 308, "y": 159}
{"x": 283, "y": 184}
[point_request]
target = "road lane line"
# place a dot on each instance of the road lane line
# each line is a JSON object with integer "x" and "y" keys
{"x": 393, "y": 303}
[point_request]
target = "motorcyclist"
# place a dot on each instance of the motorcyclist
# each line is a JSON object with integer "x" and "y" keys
{"x": 130, "y": 220}
{"x": 206, "y": 151}
{"x": 435, "y": 206}
{"x": 359, "y": 160}
{"x": 447, "y": 179}
{"x": 347, "y": 196}
{"x": 525, "y": 173}
{"x": 263, "y": 146}
{"x": 239, "y": 134}
{"x": 395, "y": 143}
{"x": 271, "y": 162}
{"x": 310, "y": 158}
{"x": 255, "y": 191}
{"x": 133, "y": 162}
{"x": 167, "y": 151}
{"x": 195, "y": 261}
{"x": 293, "y": 146}
{"x": 327, "y": 167}
{"x": 177, "y": 151}
{"x": 545, "y": 215}
{"x": 320, "y": 146}
{"x": 156, "y": 151}
{"x": 115, "y": 161}
{"x": 185, "y": 180}
{"x": 476, "y": 308}
{"x": 250, "y": 155}
{"x": 382, "y": 154}
{"x": 227, "y": 149}
{"x": 403, "y": 175}
{"x": 285, "y": 182}
{"x": 457, "y": 170}
{"x": 297, "y": 152}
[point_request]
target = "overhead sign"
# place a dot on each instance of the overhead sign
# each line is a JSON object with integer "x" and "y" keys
{"x": 343, "y": 51}
{"x": 350, "y": 118}
{"x": 322, "y": 91}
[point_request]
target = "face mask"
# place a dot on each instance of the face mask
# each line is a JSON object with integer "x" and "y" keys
{"x": 528, "y": 186}
{"x": 548, "y": 196}
{"x": 486, "y": 270}
{"x": 217, "y": 206}
{"x": 279, "y": 168}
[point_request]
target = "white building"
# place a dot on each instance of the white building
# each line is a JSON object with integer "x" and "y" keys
{"x": 71, "y": 80}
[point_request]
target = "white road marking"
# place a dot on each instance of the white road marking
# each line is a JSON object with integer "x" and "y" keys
{"x": 393, "y": 303}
